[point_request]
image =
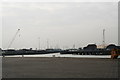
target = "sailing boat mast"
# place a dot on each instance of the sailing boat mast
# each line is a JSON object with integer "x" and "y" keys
{"x": 39, "y": 43}
{"x": 103, "y": 38}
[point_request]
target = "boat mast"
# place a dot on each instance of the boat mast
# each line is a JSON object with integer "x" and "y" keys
{"x": 47, "y": 44}
{"x": 103, "y": 38}
{"x": 39, "y": 43}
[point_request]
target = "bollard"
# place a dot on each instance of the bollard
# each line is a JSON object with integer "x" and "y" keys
{"x": 53, "y": 55}
{"x": 22, "y": 55}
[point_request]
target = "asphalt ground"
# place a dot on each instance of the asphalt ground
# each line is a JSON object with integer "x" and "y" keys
{"x": 31, "y": 67}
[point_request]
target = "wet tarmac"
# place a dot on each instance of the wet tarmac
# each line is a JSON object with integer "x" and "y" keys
{"x": 40, "y": 67}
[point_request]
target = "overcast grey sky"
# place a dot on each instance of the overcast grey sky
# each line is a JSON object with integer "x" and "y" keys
{"x": 62, "y": 24}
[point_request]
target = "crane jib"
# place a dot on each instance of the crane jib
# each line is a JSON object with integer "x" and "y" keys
{"x": 13, "y": 38}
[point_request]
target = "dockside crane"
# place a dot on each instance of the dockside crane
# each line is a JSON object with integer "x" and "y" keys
{"x": 13, "y": 38}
